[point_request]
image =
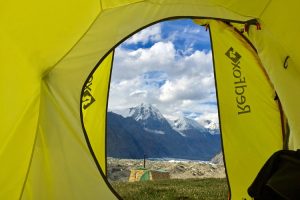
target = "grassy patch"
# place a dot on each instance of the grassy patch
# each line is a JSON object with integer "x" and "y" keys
{"x": 175, "y": 189}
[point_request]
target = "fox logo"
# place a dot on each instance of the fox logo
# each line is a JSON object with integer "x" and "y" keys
{"x": 233, "y": 55}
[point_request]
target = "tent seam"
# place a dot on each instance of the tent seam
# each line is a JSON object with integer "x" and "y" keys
{"x": 216, "y": 5}
{"x": 30, "y": 162}
{"x": 86, "y": 137}
{"x": 102, "y": 11}
{"x": 32, "y": 152}
{"x": 73, "y": 46}
{"x": 219, "y": 114}
{"x": 124, "y": 5}
{"x": 107, "y": 97}
{"x": 265, "y": 8}
{"x": 100, "y": 3}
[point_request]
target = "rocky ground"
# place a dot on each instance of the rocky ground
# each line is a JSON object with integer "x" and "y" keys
{"x": 119, "y": 169}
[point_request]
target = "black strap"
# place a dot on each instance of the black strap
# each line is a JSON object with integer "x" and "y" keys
{"x": 279, "y": 178}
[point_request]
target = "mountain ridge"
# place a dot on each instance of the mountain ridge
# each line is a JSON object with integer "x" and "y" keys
{"x": 178, "y": 123}
{"x": 146, "y": 131}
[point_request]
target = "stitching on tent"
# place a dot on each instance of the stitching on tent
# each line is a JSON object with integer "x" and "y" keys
{"x": 219, "y": 116}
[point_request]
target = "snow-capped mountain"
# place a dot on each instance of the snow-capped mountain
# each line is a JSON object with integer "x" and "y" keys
{"x": 212, "y": 127}
{"x": 184, "y": 123}
{"x": 144, "y": 130}
{"x": 186, "y": 126}
{"x": 145, "y": 111}
{"x": 151, "y": 118}
{"x": 154, "y": 121}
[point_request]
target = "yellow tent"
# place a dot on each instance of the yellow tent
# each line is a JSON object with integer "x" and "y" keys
{"x": 144, "y": 174}
{"x": 55, "y": 60}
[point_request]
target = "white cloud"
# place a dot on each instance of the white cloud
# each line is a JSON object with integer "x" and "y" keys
{"x": 176, "y": 81}
{"x": 131, "y": 92}
{"x": 150, "y": 34}
{"x": 185, "y": 88}
{"x": 212, "y": 116}
{"x": 160, "y": 55}
{"x": 158, "y": 75}
{"x": 139, "y": 93}
{"x": 189, "y": 37}
{"x": 196, "y": 110}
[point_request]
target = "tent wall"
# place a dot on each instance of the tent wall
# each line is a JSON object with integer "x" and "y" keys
{"x": 48, "y": 49}
{"x": 275, "y": 42}
{"x": 94, "y": 104}
{"x": 248, "y": 113}
{"x": 34, "y": 36}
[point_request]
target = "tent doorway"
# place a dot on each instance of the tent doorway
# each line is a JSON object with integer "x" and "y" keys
{"x": 240, "y": 89}
{"x": 164, "y": 107}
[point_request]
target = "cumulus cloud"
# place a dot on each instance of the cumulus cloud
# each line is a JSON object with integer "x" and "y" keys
{"x": 185, "y": 88}
{"x": 211, "y": 116}
{"x": 134, "y": 62}
{"x": 176, "y": 80}
{"x": 162, "y": 55}
{"x": 178, "y": 85}
{"x": 131, "y": 92}
{"x": 138, "y": 93}
{"x": 150, "y": 34}
{"x": 187, "y": 36}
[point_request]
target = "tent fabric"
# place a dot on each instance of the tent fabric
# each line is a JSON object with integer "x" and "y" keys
{"x": 49, "y": 49}
{"x": 247, "y": 109}
{"x": 94, "y": 103}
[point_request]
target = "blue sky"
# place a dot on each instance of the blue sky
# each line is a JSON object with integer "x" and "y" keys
{"x": 168, "y": 64}
{"x": 184, "y": 33}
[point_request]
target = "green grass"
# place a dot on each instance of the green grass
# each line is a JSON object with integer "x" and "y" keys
{"x": 175, "y": 189}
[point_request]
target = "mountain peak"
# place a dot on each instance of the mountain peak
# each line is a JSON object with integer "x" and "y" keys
{"x": 150, "y": 118}
{"x": 211, "y": 126}
{"x": 184, "y": 123}
{"x": 145, "y": 111}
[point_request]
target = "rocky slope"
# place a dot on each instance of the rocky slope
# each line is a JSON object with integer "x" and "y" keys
{"x": 119, "y": 169}
{"x": 218, "y": 159}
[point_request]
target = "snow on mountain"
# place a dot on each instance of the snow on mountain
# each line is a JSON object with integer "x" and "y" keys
{"x": 154, "y": 131}
{"x": 211, "y": 126}
{"x": 153, "y": 121}
{"x": 140, "y": 112}
{"x": 124, "y": 112}
{"x": 145, "y": 111}
{"x": 150, "y": 118}
{"x": 184, "y": 123}
{"x": 156, "y": 138}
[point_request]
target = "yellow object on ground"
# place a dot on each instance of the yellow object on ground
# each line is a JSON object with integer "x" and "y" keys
{"x": 143, "y": 174}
